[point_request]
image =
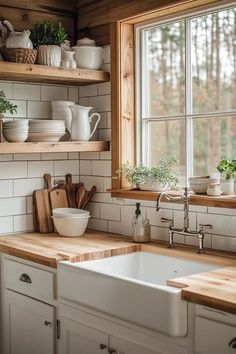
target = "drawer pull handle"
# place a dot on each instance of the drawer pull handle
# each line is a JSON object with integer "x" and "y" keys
{"x": 25, "y": 278}
{"x": 111, "y": 350}
{"x": 103, "y": 346}
{"x": 47, "y": 323}
{"x": 232, "y": 343}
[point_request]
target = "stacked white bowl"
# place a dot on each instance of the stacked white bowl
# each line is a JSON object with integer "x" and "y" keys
{"x": 16, "y": 131}
{"x": 200, "y": 184}
{"x": 61, "y": 111}
{"x": 70, "y": 222}
{"x": 41, "y": 130}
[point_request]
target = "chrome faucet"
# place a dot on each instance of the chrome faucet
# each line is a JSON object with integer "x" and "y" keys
{"x": 186, "y": 229}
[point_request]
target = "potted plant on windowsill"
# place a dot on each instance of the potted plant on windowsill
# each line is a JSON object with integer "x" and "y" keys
{"x": 227, "y": 169}
{"x": 157, "y": 178}
{"x": 47, "y": 38}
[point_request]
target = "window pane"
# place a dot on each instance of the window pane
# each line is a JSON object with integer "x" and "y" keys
{"x": 167, "y": 138}
{"x": 214, "y": 61}
{"x": 165, "y": 69}
{"x": 214, "y": 139}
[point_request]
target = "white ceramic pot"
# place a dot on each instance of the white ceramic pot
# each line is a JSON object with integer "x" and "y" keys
{"x": 87, "y": 55}
{"x": 227, "y": 186}
{"x": 49, "y": 55}
{"x": 68, "y": 60}
{"x": 151, "y": 184}
{"x": 71, "y": 226}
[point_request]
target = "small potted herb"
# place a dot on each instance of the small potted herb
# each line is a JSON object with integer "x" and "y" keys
{"x": 47, "y": 38}
{"x": 5, "y": 105}
{"x": 227, "y": 169}
{"x": 135, "y": 175}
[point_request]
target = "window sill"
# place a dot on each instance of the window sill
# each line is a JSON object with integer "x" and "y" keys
{"x": 196, "y": 199}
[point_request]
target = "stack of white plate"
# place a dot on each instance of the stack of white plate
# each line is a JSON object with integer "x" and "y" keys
{"x": 61, "y": 111}
{"x": 16, "y": 131}
{"x": 70, "y": 222}
{"x": 41, "y": 130}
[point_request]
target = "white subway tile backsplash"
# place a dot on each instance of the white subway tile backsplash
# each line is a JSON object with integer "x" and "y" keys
{"x": 73, "y": 155}
{"x": 222, "y": 211}
{"x": 6, "y": 87}
{"x": 85, "y": 167}
{"x": 39, "y": 110}
{"x": 179, "y": 220}
{"x": 100, "y": 103}
{"x": 39, "y": 168}
{"x": 222, "y": 225}
{"x": 64, "y": 167}
{"x": 55, "y": 156}
{"x": 159, "y": 233}
{"x": 4, "y": 157}
{"x": 23, "y": 223}
{"x": 90, "y": 181}
{"x": 224, "y": 243}
{"x": 97, "y": 224}
{"x": 14, "y": 169}
{"x": 110, "y": 212}
{"x": 25, "y": 187}
{"x": 104, "y": 134}
{"x": 21, "y": 110}
{"x": 89, "y": 156}
{"x": 94, "y": 209}
{"x": 12, "y": 206}
{"x": 28, "y": 157}
{"x": 101, "y": 168}
{"x": 26, "y": 92}
{"x": 73, "y": 94}
{"x": 29, "y": 204}
{"x": 6, "y": 188}
{"x": 102, "y": 198}
{"x": 6, "y": 224}
{"x": 107, "y": 54}
{"x": 155, "y": 216}
{"x": 54, "y": 93}
{"x": 104, "y": 88}
{"x": 88, "y": 91}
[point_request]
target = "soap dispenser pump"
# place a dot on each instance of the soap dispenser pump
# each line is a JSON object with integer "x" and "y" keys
{"x": 141, "y": 230}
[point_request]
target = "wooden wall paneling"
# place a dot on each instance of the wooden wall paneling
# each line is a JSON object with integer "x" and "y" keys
{"x": 123, "y": 111}
{"x": 60, "y": 7}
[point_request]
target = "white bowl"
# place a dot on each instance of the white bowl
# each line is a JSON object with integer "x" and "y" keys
{"x": 70, "y": 212}
{"x": 88, "y": 57}
{"x": 70, "y": 226}
{"x": 15, "y": 137}
{"x": 44, "y": 137}
{"x": 199, "y": 185}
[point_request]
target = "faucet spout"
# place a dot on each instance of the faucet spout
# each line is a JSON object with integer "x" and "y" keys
{"x": 167, "y": 196}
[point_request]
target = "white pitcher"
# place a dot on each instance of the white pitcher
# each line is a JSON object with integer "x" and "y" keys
{"x": 81, "y": 123}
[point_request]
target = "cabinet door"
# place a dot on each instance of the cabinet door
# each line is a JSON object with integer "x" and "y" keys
{"x": 121, "y": 346}
{"x": 77, "y": 338}
{"x": 212, "y": 337}
{"x": 28, "y": 325}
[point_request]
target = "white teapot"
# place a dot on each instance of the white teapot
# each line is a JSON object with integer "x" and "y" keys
{"x": 19, "y": 40}
{"x": 81, "y": 123}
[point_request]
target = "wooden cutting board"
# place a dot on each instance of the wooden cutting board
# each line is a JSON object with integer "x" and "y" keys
{"x": 42, "y": 209}
{"x": 58, "y": 198}
{"x": 71, "y": 190}
{"x": 216, "y": 288}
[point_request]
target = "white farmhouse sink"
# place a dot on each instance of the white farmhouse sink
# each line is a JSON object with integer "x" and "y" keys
{"x": 132, "y": 287}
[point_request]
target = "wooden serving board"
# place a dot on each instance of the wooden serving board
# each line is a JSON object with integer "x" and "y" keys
{"x": 215, "y": 289}
{"x": 42, "y": 211}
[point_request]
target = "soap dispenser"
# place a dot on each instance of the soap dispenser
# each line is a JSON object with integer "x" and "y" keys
{"x": 141, "y": 229}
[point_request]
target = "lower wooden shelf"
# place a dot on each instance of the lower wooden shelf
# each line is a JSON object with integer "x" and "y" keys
{"x": 68, "y": 146}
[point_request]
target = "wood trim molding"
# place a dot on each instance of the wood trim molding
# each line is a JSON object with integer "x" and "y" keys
{"x": 196, "y": 199}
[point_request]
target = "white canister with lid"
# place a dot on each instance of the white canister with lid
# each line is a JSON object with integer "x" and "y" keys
{"x": 88, "y": 55}
{"x": 214, "y": 189}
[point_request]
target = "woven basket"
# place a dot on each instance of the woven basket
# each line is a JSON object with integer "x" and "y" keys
{"x": 19, "y": 55}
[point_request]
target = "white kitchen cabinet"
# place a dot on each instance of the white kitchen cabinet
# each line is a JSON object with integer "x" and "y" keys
{"x": 29, "y": 325}
{"x": 121, "y": 346}
{"x": 77, "y": 338}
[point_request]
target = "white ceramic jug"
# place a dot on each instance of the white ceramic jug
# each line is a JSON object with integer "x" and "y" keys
{"x": 81, "y": 123}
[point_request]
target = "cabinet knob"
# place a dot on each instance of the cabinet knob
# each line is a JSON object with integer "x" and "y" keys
{"x": 25, "y": 278}
{"x": 103, "y": 346}
{"x": 111, "y": 350}
{"x": 232, "y": 343}
{"x": 47, "y": 323}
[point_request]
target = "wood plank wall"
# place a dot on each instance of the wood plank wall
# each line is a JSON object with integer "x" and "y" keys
{"x": 25, "y": 13}
{"x": 95, "y": 17}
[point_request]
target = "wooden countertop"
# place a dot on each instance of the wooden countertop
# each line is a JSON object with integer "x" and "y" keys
{"x": 215, "y": 289}
{"x": 49, "y": 249}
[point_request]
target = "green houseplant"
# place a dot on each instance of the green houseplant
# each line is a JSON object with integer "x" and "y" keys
{"x": 48, "y": 38}
{"x": 227, "y": 169}
{"x": 158, "y": 177}
{"x": 5, "y": 105}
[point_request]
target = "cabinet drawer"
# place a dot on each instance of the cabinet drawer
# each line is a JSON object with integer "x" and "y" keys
{"x": 28, "y": 280}
{"x": 213, "y": 337}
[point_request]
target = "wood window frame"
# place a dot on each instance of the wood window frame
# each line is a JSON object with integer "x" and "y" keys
{"x": 122, "y": 34}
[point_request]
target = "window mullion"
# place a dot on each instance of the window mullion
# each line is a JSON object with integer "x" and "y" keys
{"x": 188, "y": 101}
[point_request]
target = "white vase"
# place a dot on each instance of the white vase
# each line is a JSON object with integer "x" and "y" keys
{"x": 227, "y": 186}
{"x": 68, "y": 60}
{"x": 49, "y": 55}
{"x": 151, "y": 184}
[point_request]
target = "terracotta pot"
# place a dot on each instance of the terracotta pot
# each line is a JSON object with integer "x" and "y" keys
{"x": 49, "y": 55}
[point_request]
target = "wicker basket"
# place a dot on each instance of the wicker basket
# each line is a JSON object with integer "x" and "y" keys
{"x": 19, "y": 55}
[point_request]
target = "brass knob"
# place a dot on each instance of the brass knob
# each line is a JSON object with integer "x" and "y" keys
{"x": 47, "y": 323}
{"x": 103, "y": 346}
{"x": 111, "y": 350}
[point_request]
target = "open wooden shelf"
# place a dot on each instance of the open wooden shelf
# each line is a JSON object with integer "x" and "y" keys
{"x": 51, "y": 75}
{"x": 68, "y": 146}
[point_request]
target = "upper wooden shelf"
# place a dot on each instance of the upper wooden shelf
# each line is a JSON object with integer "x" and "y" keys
{"x": 68, "y": 146}
{"x": 51, "y": 75}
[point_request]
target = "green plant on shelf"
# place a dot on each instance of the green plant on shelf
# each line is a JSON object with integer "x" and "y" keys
{"x": 6, "y": 105}
{"x": 227, "y": 168}
{"x": 46, "y": 33}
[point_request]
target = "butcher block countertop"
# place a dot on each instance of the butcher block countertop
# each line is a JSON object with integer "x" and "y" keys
{"x": 215, "y": 289}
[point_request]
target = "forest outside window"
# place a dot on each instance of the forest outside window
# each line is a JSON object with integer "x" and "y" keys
{"x": 186, "y": 90}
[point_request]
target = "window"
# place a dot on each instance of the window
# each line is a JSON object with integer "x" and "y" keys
{"x": 186, "y": 90}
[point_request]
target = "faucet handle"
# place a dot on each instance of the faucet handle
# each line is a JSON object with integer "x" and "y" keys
{"x": 167, "y": 220}
{"x": 206, "y": 226}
